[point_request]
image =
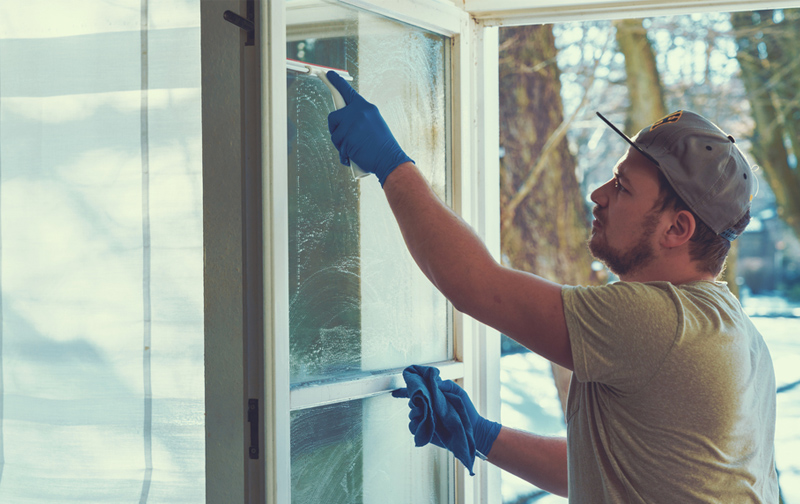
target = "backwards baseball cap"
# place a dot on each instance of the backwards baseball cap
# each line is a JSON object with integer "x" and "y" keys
{"x": 702, "y": 164}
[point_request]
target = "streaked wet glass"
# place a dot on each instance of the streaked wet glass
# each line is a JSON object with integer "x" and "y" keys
{"x": 357, "y": 300}
{"x": 361, "y": 452}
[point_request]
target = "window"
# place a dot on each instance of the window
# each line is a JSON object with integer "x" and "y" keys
{"x": 336, "y": 348}
{"x": 357, "y": 301}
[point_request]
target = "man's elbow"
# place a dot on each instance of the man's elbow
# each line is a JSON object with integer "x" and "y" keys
{"x": 474, "y": 306}
{"x": 475, "y": 291}
{"x": 465, "y": 295}
{"x": 462, "y": 305}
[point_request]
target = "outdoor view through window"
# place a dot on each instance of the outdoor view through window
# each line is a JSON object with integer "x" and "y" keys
{"x": 741, "y": 71}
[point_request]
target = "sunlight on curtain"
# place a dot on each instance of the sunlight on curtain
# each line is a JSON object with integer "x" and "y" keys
{"x": 101, "y": 340}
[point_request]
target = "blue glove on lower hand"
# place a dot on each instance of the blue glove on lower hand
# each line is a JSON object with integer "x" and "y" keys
{"x": 484, "y": 431}
{"x": 359, "y": 132}
{"x": 442, "y": 413}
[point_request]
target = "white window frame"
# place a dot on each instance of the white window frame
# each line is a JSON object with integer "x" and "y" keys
{"x": 472, "y": 26}
{"x": 527, "y": 12}
{"x": 475, "y": 197}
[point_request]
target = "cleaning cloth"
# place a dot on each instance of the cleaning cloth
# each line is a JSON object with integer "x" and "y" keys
{"x": 437, "y": 416}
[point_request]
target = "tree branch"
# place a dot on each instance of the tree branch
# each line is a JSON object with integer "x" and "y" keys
{"x": 552, "y": 142}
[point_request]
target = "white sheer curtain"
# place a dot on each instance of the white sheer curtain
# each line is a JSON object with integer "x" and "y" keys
{"x": 101, "y": 265}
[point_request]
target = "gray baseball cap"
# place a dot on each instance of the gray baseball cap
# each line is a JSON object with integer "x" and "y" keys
{"x": 703, "y": 165}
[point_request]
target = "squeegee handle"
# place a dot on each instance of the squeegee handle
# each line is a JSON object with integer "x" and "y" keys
{"x": 338, "y": 102}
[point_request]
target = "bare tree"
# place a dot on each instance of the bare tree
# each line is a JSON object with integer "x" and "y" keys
{"x": 645, "y": 92}
{"x": 544, "y": 220}
{"x": 767, "y": 44}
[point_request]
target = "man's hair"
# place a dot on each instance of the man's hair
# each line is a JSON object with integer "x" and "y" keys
{"x": 705, "y": 246}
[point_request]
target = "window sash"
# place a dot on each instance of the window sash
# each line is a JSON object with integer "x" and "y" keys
{"x": 309, "y": 395}
{"x": 476, "y": 200}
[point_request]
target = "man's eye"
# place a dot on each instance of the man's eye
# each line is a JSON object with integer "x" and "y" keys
{"x": 619, "y": 186}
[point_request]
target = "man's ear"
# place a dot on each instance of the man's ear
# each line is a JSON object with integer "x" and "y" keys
{"x": 682, "y": 226}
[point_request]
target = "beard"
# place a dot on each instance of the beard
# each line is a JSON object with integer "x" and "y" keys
{"x": 625, "y": 262}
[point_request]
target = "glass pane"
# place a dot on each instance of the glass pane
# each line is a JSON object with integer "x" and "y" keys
{"x": 354, "y": 453}
{"x": 101, "y": 260}
{"x": 357, "y": 301}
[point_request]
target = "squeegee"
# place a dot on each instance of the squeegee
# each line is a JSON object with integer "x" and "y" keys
{"x": 319, "y": 72}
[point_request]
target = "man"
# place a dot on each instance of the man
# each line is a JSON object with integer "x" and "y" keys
{"x": 673, "y": 393}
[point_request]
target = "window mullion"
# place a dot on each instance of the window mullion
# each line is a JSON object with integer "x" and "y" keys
{"x": 276, "y": 425}
{"x": 321, "y": 393}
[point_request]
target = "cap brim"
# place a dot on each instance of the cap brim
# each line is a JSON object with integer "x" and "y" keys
{"x": 628, "y": 139}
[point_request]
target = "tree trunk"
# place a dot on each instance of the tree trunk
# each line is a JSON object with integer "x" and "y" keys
{"x": 767, "y": 55}
{"x": 645, "y": 92}
{"x": 544, "y": 225}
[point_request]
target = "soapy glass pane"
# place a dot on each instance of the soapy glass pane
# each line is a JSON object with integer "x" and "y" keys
{"x": 361, "y": 451}
{"x": 101, "y": 258}
{"x": 357, "y": 300}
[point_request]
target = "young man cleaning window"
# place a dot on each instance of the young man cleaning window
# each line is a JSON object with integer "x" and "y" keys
{"x": 673, "y": 393}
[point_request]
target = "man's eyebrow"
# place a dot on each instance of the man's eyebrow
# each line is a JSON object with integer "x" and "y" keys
{"x": 621, "y": 176}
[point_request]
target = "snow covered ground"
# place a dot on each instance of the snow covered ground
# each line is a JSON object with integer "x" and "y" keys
{"x": 530, "y": 402}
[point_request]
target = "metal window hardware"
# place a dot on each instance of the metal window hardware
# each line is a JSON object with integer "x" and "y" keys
{"x": 304, "y": 67}
{"x": 252, "y": 418}
{"x": 247, "y": 24}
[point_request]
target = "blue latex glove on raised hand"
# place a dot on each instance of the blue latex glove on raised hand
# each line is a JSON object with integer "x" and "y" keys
{"x": 359, "y": 132}
{"x": 443, "y": 414}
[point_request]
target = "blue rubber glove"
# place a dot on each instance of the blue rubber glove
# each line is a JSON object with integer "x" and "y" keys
{"x": 359, "y": 132}
{"x": 442, "y": 414}
{"x": 485, "y": 431}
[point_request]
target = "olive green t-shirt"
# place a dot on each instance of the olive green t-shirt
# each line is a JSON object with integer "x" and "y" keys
{"x": 672, "y": 399}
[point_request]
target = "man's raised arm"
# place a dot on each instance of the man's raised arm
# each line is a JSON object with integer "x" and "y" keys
{"x": 520, "y": 305}
{"x": 523, "y": 306}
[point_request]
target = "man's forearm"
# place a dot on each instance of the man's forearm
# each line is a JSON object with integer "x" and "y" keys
{"x": 445, "y": 247}
{"x": 539, "y": 460}
{"x": 523, "y": 306}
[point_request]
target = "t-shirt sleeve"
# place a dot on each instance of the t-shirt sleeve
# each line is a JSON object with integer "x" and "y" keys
{"x": 621, "y": 333}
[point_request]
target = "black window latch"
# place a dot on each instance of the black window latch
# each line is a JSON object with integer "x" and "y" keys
{"x": 252, "y": 417}
{"x": 247, "y": 24}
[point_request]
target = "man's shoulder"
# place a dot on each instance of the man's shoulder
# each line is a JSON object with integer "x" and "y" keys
{"x": 624, "y": 289}
{"x": 659, "y": 289}
{"x": 622, "y": 300}
{"x": 707, "y": 296}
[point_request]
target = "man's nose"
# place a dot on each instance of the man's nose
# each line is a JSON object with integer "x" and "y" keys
{"x": 600, "y": 195}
